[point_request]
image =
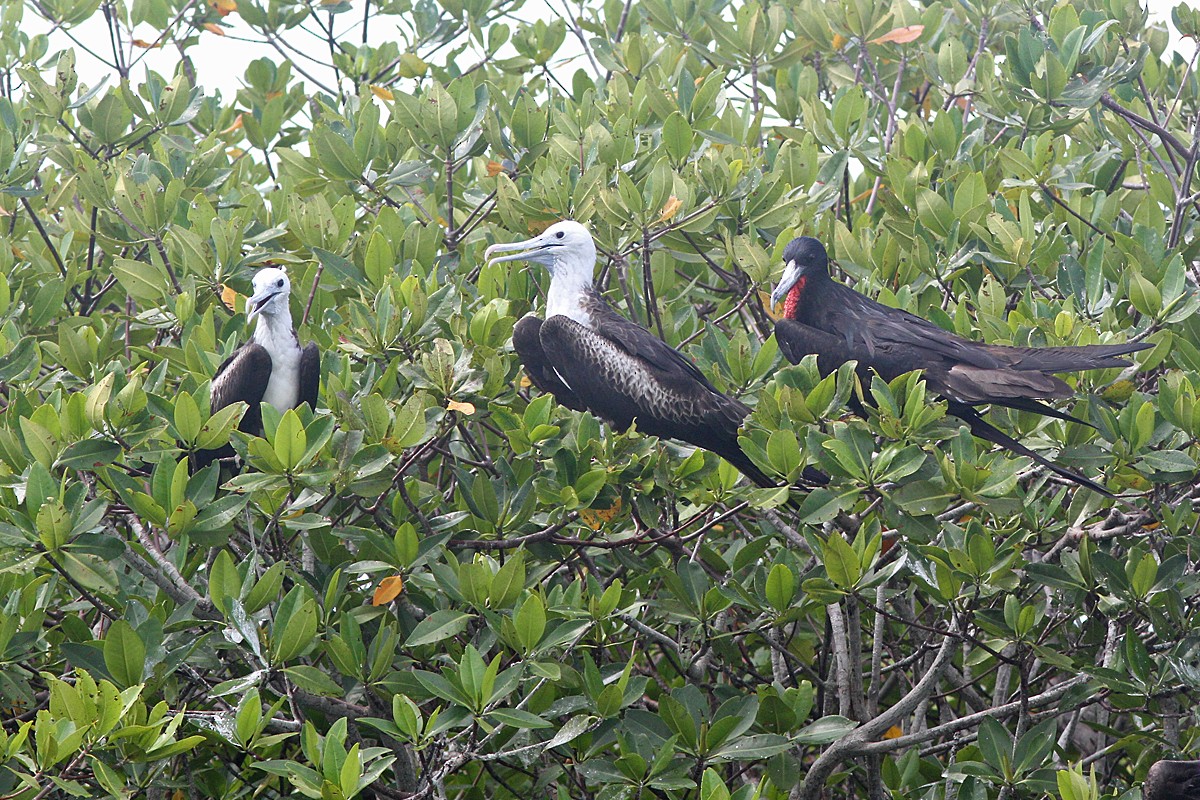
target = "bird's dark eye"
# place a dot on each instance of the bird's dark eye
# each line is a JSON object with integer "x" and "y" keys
{"x": 558, "y": 235}
{"x": 279, "y": 283}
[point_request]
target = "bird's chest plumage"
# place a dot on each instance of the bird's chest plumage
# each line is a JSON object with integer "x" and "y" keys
{"x": 283, "y": 387}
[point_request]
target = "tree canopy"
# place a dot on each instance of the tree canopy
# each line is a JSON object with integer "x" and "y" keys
{"x": 441, "y": 584}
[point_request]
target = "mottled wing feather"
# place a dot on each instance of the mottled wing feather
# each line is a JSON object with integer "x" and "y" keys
{"x": 310, "y": 375}
{"x": 630, "y": 378}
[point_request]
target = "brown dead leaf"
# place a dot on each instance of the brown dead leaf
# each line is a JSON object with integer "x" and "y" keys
{"x": 537, "y": 226}
{"x": 909, "y": 33}
{"x": 388, "y": 590}
{"x": 224, "y": 7}
{"x": 383, "y": 93}
{"x": 494, "y": 168}
{"x": 893, "y": 732}
{"x": 463, "y": 408}
{"x": 670, "y": 208}
{"x": 236, "y": 126}
{"x": 213, "y": 27}
{"x": 142, "y": 43}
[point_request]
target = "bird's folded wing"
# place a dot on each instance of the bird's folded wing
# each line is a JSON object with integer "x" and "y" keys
{"x": 635, "y": 340}
{"x": 243, "y": 376}
{"x": 310, "y": 374}
{"x": 628, "y": 376}
{"x": 798, "y": 340}
{"x": 527, "y": 342}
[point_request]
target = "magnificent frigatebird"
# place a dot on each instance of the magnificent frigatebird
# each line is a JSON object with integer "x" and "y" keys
{"x": 271, "y": 367}
{"x": 1172, "y": 780}
{"x": 838, "y": 324}
{"x": 591, "y": 358}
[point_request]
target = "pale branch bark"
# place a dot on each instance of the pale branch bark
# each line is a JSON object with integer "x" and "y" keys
{"x": 859, "y": 741}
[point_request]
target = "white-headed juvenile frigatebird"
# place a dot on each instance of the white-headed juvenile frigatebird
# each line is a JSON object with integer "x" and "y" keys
{"x": 591, "y": 358}
{"x": 271, "y": 367}
{"x": 837, "y": 324}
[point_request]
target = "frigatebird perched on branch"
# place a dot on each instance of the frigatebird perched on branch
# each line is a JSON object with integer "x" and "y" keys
{"x": 271, "y": 367}
{"x": 591, "y": 358}
{"x": 838, "y": 324}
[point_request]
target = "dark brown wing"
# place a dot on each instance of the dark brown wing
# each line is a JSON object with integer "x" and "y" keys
{"x": 310, "y": 375}
{"x": 623, "y": 373}
{"x": 243, "y": 376}
{"x": 528, "y": 344}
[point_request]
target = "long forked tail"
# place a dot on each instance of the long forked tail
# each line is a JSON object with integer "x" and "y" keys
{"x": 1069, "y": 359}
{"x": 990, "y": 433}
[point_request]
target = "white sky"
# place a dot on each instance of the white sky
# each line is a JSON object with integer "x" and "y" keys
{"x": 221, "y": 61}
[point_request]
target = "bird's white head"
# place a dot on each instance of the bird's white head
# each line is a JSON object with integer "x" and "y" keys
{"x": 271, "y": 291}
{"x": 565, "y": 248}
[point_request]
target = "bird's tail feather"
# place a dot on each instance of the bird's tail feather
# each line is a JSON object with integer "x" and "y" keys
{"x": 1038, "y": 407}
{"x": 990, "y": 433}
{"x": 1069, "y": 359}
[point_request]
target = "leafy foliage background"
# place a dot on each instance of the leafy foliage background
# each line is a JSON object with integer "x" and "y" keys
{"x": 437, "y": 585}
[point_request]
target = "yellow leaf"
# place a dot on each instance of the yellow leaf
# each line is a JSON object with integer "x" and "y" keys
{"x": 909, "y": 33}
{"x": 230, "y": 298}
{"x": 494, "y": 168}
{"x": 145, "y": 45}
{"x": 224, "y": 7}
{"x": 213, "y": 27}
{"x": 893, "y": 732}
{"x": 462, "y": 408}
{"x": 860, "y": 197}
{"x": 839, "y": 41}
{"x": 388, "y": 590}
{"x": 525, "y": 382}
{"x": 595, "y": 517}
{"x": 765, "y": 299}
{"x": 237, "y": 125}
{"x": 670, "y": 208}
{"x": 274, "y": 94}
{"x": 235, "y": 152}
{"x": 383, "y": 93}
{"x": 537, "y": 226}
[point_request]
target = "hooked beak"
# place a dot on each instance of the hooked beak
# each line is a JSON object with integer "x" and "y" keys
{"x": 536, "y": 249}
{"x": 257, "y": 303}
{"x": 791, "y": 274}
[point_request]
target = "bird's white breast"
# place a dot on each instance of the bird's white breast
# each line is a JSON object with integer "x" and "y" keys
{"x": 283, "y": 388}
{"x": 566, "y": 297}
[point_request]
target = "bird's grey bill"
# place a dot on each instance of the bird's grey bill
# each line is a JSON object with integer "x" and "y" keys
{"x": 791, "y": 274}
{"x": 529, "y": 250}
{"x": 257, "y": 303}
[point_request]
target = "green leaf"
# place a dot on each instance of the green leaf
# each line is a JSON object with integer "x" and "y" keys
{"x": 438, "y": 626}
{"x": 124, "y": 654}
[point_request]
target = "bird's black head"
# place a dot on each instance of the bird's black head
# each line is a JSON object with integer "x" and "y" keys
{"x": 803, "y": 259}
{"x": 808, "y": 254}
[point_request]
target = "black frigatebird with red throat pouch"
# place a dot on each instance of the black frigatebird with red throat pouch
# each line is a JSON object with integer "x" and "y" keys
{"x": 838, "y": 324}
{"x": 592, "y": 358}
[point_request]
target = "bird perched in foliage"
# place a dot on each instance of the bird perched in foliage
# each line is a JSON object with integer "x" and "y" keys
{"x": 1172, "y": 780}
{"x": 591, "y": 358}
{"x": 837, "y": 324}
{"x": 271, "y": 367}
